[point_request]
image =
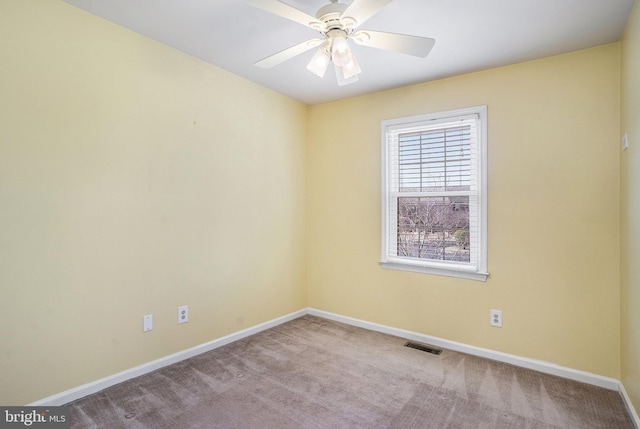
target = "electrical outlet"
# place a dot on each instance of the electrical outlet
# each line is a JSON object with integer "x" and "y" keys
{"x": 183, "y": 314}
{"x": 496, "y": 318}
{"x": 147, "y": 323}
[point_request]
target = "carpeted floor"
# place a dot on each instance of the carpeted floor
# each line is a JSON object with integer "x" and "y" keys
{"x": 315, "y": 373}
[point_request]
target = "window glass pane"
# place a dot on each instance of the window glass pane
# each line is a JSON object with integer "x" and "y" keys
{"x": 434, "y": 228}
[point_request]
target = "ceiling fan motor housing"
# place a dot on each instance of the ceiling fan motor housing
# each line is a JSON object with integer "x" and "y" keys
{"x": 331, "y": 15}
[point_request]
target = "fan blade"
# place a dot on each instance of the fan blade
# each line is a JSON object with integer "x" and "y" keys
{"x": 289, "y": 12}
{"x": 282, "y": 56}
{"x": 413, "y": 45}
{"x": 361, "y": 10}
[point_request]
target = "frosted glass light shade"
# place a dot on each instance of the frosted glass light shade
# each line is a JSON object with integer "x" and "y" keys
{"x": 340, "y": 52}
{"x": 319, "y": 63}
{"x": 341, "y": 79}
{"x": 351, "y": 69}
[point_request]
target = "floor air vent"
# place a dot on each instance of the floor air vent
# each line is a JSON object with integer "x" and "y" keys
{"x": 423, "y": 347}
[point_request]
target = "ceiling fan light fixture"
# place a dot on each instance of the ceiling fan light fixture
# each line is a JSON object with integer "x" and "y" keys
{"x": 352, "y": 69}
{"x": 340, "y": 52}
{"x": 319, "y": 63}
{"x": 342, "y": 81}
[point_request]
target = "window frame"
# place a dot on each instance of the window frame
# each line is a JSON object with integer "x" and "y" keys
{"x": 473, "y": 271}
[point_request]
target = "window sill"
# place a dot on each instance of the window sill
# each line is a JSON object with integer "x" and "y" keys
{"x": 458, "y": 272}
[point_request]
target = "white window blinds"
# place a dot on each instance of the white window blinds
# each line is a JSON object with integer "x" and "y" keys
{"x": 432, "y": 197}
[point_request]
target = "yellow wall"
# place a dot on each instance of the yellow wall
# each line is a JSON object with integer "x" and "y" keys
{"x": 134, "y": 179}
{"x": 630, "y": 208}
{"x": 553, "y": 241}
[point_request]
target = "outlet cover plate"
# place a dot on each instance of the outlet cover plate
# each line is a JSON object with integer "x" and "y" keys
{"x": 147, "y": 323}
{"x": 496, "y": 318}
{"x": 183, "y": 314}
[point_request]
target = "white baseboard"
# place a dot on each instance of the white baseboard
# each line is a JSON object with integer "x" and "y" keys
{"x": 96, "y": 386}
{"x": 627, "y": 401}
{"x": 541, "y": 366}
{"x": 537, "y": 365}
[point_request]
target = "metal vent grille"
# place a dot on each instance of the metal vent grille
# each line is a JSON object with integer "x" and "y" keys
{"x": 423, "y": 347}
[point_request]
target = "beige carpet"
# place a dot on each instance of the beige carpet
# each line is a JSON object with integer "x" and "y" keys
{"x": 315, "y": 373}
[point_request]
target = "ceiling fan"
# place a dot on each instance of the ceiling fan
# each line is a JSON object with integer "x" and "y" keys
{"x": 337, "y": 23}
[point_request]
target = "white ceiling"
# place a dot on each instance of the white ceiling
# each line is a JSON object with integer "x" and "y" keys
{"x": 470, "y": 35}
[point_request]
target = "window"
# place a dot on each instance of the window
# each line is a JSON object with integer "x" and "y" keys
{"x": 434, "y": 193}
